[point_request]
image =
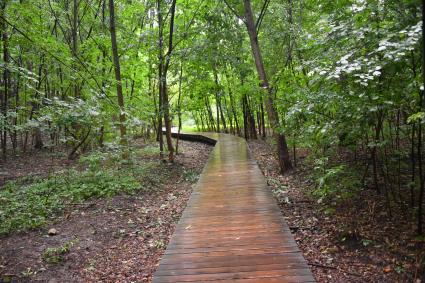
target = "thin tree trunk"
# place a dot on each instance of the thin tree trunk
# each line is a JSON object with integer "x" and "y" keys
{"x": 218, "y": 102}
{"x": 179, "y": 114}
{"x": 229, "y": 116}
{"x": 232, "y": 104}
{"x": 210, "y": 115}
{"x": 160, "y": 78}
{"x": 4, "y": 97}
{"x": 15, "y": 120}
{"x": 202, "y": 121}
{"x": 122, "y": 118}
{"x": 36, "y": 106}
{"x": 420, "y": 161}
{"x": 74, "y": 48}
{"x": 259, "y": 121}
{"x": 245, "y": 117}
{"x": 263, "y": 122}
{"x": 252, "y": 129}
{"x": 163, "y": 70}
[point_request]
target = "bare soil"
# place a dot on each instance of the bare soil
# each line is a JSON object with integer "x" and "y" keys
{"x": 33, "y": 164}
{"x": 119, "y": 239}
{"x": 360, "y": 242}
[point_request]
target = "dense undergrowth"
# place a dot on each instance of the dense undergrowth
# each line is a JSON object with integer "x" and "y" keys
{"x": 30, "y": 202}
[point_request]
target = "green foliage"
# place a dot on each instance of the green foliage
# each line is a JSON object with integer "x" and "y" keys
{"x": 159, "y": 244}
{"x": 417, "y": 117}
{"x": 25, "y": 206}
{"x": 399, "y": 269}
{"x": 366, "y": 242}
{"x": 149, "y": 151}
{"x": 190, "y": 175}
{"x": 189, "y": 128}
{"x": 61, "y": 113}
{"x": 342, "y": 74}
{"x": 56, "y": 255}
{"x": 333, "y": 184}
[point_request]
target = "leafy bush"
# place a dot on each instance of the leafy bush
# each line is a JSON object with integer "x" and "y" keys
{"x": 25, "y": 206}
{"x": 333, "y": 184}
{"x": 190, "y": 175}
{"x": 55, "y": 255}
{"x": 149, "y": 151}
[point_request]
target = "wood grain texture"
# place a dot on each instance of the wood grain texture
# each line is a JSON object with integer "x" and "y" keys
{"x": 232, "y": 229}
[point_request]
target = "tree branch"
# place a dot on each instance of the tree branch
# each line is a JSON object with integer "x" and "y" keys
{"x": 57, "y": 58}
{"x": 188, "y": 27}
{"x": 262, "y": 14}
{"x": 234, "y": 11}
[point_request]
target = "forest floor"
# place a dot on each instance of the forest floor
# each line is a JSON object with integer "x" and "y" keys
{"x": 33, "y": 164}
{"x": 359, "y": 242}
{"x": 117, "y": 239}
{"x": 121, "y": 239}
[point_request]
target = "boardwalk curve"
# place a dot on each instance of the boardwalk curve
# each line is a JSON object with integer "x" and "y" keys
{"x": 232, "y": 229}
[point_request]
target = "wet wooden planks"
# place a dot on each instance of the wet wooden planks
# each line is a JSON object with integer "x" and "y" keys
{"x": 232, "y": 229}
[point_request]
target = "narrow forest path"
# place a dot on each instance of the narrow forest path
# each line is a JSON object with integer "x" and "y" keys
{"x": 232, "y": 229}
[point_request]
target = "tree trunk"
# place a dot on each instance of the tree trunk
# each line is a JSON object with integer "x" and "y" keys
{"x": 421, "y": 102}
{"x": 283, "y": 153}
{"x": 74, "y": 47}
{"x": 160, "y": 78}
{"x": 232, "y": 104}
{"x": 229, "y": 116}
{"x": 210, "y": 115}
{"x": 263, "y": 123}
{"x": 179, "y": 113}
{"x": 122, "y": 118}
{"x": 166, "y": 101}
{"x": 4, "y": 97}
{"x": 245, "y": 117}
{"x": 36, "y": 106}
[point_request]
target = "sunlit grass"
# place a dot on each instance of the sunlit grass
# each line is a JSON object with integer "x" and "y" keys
{"x": 189, "y": 129}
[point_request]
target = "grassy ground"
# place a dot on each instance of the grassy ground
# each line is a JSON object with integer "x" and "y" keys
{"x": 189, "y": 129}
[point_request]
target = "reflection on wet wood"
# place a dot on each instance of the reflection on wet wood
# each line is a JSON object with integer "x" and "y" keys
{"x": 232, "y": 229}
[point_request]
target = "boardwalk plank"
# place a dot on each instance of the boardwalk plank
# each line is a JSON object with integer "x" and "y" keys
{"x": 235, "y": 275}
{"x": 212, "y": 270}
{"x": 232, "y": 229}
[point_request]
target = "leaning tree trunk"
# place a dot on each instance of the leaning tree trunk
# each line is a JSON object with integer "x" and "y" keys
{"x": 283, "y": 152}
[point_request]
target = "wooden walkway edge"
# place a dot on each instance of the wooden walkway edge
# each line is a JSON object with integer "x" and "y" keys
{"x": 232, "y": 229}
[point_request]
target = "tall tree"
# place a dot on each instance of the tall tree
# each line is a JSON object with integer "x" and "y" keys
{"x": 420, "y": 139}
{"x": 117, "y": 69}
{"x": 163, "y": 68}
{"x": 282, "y": 147}
{"x": 5, "y": 91}
{"x": 74, "y": 41}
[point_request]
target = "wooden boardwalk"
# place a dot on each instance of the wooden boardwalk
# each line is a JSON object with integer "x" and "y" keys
{"x": 232, "y": 229}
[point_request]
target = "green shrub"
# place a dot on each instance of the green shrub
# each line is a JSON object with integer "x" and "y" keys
{"x": 190, "y": 176}
{"x": 334, "y": 184}
{"x": 25, "y": 206}
{"x": 150, "y": 151}
{"x": 55, "y": 255}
